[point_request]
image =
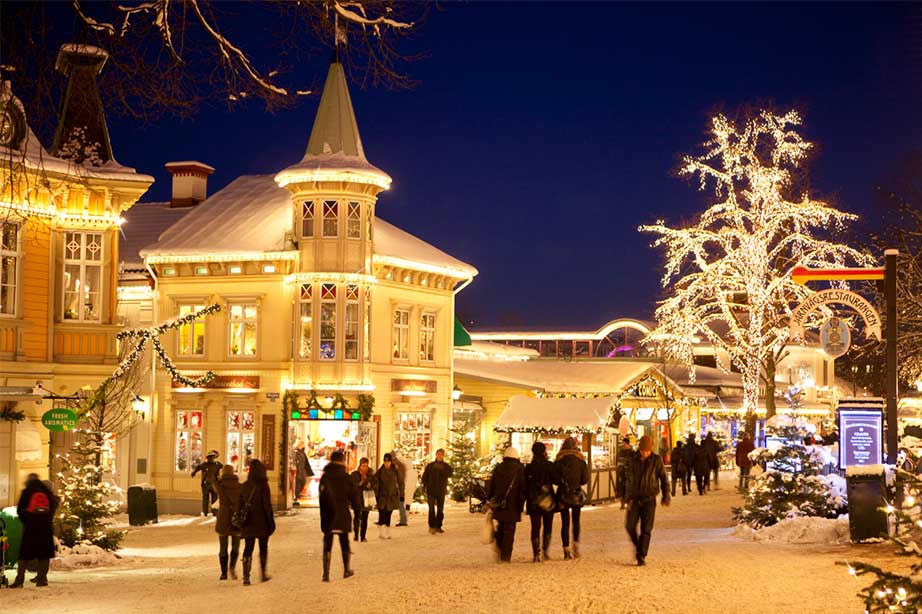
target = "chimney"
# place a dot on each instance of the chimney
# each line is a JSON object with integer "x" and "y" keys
{"x": 190, "y": 183}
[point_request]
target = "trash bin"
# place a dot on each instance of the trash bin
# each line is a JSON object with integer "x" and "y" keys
{"x": 142, "y": 505}
{"x": 866, "y": 500}
{"x": 11, "y": 528}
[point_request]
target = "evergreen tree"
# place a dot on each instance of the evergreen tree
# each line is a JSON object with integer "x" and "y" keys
{"x": 461, "y": 455}
{"x": 87, "y": 500}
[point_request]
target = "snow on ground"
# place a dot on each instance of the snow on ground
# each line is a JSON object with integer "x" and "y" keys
{"x": 695, "y": 565}
{"x": 803, "y": 530}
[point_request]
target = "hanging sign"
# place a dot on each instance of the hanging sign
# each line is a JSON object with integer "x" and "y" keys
{"x": 59, "y": 419}
{"x": 835, "y": 338}
{"x": 861, "y": 305}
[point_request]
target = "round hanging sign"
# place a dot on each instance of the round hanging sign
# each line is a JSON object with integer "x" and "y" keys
{"x": 59, "y": 419}
{"x": 835, "y": 337}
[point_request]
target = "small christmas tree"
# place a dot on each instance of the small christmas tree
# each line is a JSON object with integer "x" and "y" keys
{"x": 461, "y": 455}
{"x": 792, "y": 484}
{"x": 894, "y": 591}
{"x": 87, "y": 501}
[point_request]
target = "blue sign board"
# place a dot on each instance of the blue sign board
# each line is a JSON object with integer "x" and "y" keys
{"x": 861, "y": 432}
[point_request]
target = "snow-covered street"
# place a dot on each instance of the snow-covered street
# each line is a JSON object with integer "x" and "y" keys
{"x": 695, "y": 564}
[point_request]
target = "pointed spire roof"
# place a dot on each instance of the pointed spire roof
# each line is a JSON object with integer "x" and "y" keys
{"x": 334, "y": 150}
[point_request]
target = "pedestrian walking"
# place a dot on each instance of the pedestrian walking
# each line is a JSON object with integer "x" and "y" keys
{"x": 679, "y": 467}
{"x": 260, "y": 520}
{"x": 506, "y": 496}
{"x": 625, "y": 451}
{"x": 402, "y": 466}
{"x": 691, "y": 451}
{"x": 303, "y": 471}
{"x": 574, "y": 474}
{"x": 435, "y": 482}
{"x": 228, "y": 488}
{"x": 36, "y": 508}
{"x": 646, "y": 477}
{"x": 712, "y": 447}
{"x": 702, "y": 468}
{"x": 541, "y": 476}
{"x": 743, "y": 448}
{"x": 364, "y": 480}
{"x": 389, "y": 495}
{"x": 337, "y": 493}
{"x": 210, "y": 471}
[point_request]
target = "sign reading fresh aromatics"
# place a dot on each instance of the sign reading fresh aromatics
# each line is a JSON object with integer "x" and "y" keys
{"x": 825, "y": 297}
{"x": 860, "y": 436}
{"x": 59, "y": 419}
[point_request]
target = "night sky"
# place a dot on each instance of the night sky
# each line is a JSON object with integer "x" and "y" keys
{"x": 541, "y": 135}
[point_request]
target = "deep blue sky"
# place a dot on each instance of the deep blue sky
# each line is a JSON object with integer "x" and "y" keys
{"x": 541, "y": 135}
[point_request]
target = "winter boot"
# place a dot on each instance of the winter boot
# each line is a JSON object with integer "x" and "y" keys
{"x": 535, "y": 550}
{"x": 20, "y": 575}
{"x": 381, "y": 531}
{"x": 567, "y": 554}
{"x": 263, "y": 561}
{"x": 232, "y": 568}
{"x": 247, "y": 566}
{"x": 387, "y": 532}
{"x": 545, "y": 546}
{"x": 347, "y": 570}
{"x": 42, "y": 568}
{"x": 327, "y": 556}
{"x": 575, "y": 550}
{"x": 222, "y": 558}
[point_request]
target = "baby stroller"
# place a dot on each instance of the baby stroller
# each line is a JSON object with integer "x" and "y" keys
{"x": 477, "y": 495}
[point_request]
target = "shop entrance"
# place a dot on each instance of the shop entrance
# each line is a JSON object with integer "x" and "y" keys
{"x": 356, "y": 439}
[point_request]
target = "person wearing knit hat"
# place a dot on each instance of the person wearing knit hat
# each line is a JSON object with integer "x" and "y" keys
{"x": 645, "y": 477}
{"x": 506, "y": 496}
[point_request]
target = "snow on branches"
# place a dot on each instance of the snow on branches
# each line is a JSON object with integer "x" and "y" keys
{"x": 729, "y": 272}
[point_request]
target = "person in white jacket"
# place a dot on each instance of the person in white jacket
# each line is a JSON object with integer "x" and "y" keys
{"x": 411, "y": 479}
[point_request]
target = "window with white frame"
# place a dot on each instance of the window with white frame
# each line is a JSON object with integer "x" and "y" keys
{"x": 351, "y": 324}
{"x": 354, "y": 221}
{"x": 241, "y": 438}
{"x": 9, "y": 266}
{"x": 306, "y": 322}
{"x": 330, "y": 218}
{"x": 191, "y": 334}
{"x": 401, "y": 334}
{"x": 427, "y": 337}
{"x": 242, "y": 338}
{"x": 188, "y": 440}
{"x": 327, "y": 321}
{"x": 83, "y": 276}
{"x": 307, "y": 219}
{"x": 366, "y": 326}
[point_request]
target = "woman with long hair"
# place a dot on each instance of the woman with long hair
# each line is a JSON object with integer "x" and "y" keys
{"x": 228, "y": 487}
{"x": 364, "y": 480}
{"x": 574, "y": 474}
{"x": 389, "y": 495}
{"x": 260, "y": 520}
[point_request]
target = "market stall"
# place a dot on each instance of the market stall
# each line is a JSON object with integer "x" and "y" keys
{"x": 590, "y": 419}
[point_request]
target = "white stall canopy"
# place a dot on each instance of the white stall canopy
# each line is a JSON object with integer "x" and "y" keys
{"x": 528, "y": 413}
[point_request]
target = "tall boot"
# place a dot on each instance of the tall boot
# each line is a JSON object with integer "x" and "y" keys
{"x": 567, "y": 554}
{"x": 380, "y": 531}
{"x": 232, "y": 568}
{"x": 347, "y": 556}
{"x": 545, "y": 546}
{"x": 387, "y": 532}
{"x": 42, "y": 567}
{"x": 222, "y": 558}
{"x": 20, "y": 574}
{"x": 247, "y": 566}
{"x": 535, "y": 550}
{"x": 327, "y": 556}
{"x": 263, "y": 561}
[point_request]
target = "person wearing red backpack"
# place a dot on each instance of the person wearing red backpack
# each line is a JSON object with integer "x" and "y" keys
{"x": 36, "y": 508}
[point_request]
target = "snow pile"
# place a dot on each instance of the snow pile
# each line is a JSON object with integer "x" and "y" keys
{"x": 838, "y": 490}
{"x": 865, "y": 470}
{"x": 802, "y": 530}
{"x": 82, "y": 555}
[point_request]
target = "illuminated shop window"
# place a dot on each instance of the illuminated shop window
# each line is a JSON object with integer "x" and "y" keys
{"x": 188, "y": 440}
{"x": 413, "y": 434}
{"x": 241, "y": 438}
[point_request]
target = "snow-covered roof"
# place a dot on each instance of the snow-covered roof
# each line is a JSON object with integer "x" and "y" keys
{"x": 252, "y": 216}
{"x": 488, "y": 350}
{"x": 527, "y": 412}
{"x": 559, "y": 376}
{"x": 142, "y": 225}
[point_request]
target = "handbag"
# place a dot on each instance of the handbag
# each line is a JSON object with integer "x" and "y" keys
{"x": 545, "y": 499}
{"x": 500, "y": 504}
{"x": 488, "y": 532}
{"x": 369, "y": 501}
{"x": 573, "y": 498}
{"x": 240, "y": 516}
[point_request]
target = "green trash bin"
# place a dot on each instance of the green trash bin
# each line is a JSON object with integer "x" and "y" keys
{"x": 11, "y": 527}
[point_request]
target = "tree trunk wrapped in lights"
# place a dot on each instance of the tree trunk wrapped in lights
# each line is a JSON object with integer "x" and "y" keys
{"x": 729, "y": 272}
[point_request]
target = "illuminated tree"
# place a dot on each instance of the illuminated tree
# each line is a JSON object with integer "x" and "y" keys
{"x": 728, "y": 274}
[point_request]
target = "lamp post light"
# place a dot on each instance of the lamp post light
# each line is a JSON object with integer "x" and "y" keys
{"x": 139, "y": 406}
{"x": 456, "y": 393}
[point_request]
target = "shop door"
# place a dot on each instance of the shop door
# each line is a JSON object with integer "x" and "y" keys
{"x": 366, "y": 443}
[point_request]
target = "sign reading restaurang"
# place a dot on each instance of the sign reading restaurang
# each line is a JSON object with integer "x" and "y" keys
{"x": 843, "y": 297}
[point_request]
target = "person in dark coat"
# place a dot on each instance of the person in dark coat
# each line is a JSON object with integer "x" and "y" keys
{"x": 389, "y": 495}
{"x": 506, "y": 492}
{"x": 701, "y": 465}
{"x": 646, "y": 477}
{"x": 679, "y": 467}
{"x": 435, "y": 482}
{"x": 574, "y": 474}
{"x": 303, "y": 471}
{"x": 36, "y": 508}
{"x": 743, "y": 448}
{"x": 541, "y": 476}
{"x": 210, "y": 471}
{"x": 228, "y": 487}
{"x": 625, "y": 452}
{"x": 712, "y": 447}
{"x": 337, "y": 493}
{"x": 691, "y": 451}
{"x": 401, "y": 466}
{"x": 364, "y": 480}
{"x": 260, "y": 521}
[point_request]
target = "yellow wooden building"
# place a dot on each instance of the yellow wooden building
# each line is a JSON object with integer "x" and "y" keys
{"x": 60, "y": 211}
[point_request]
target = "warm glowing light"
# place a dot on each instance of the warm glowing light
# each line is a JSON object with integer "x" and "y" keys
{"x": 225, "y": 257}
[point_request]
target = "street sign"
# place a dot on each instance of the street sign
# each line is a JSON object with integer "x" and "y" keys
{"x": 861, "y": 305}
{"x": 272, "y": 396}
{"x": 802, "y": 275}
{"x": 59, "y": 419}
